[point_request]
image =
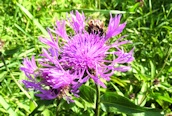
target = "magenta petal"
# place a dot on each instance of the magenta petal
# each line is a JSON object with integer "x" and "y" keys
{"x": 114, "y": 27}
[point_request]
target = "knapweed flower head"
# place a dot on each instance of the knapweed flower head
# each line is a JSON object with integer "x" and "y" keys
{"x": 50, "y": 81}
{"x": 75, "y": 57}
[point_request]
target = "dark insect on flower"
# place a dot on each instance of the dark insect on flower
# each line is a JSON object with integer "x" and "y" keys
{"x": 92, "y": 71}
{"x": 96, "y": 27}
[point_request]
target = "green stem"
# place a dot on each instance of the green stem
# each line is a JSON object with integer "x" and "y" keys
{"x": 97, "y": 109}
{"x": 98, "y": 2}
{"x": 59, "y": 104}
{"x": 169, "y": 52}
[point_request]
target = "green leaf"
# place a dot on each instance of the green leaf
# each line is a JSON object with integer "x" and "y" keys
{"x": 162, "y": 97}
{"x": 2, "y": 75}
{"x": 79, "y": 104}
{"x": 7, "y": 106}
{"x": 23, "y": 106}
{"x": 42, "y": 105}
{"x": 87, "y": 93}
{"x": 118, "y": 81}
{"x": 22, "y": 30}
{"x": 35, "y": 21}
{"x": 12, "y": 50}
{"x": 165, "y": 86}
{"x": 46, "y": 112}
{"x": 95, "y": 10}
{"x": 26, "y": 53}
{"x": 141, "y": 96}
{"x": 152, "y": 69}
{"x": 119, "y": 103}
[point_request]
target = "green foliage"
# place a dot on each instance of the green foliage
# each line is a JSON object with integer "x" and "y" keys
{"x": 112, "y": 102}
{"x": 141, "y": 91}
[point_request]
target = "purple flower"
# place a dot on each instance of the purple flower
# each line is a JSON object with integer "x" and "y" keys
{"x": 78, "y": 57}
{"x": 85, "y": 53}
{"x": 50, "y": 82}
{"x": 29, "y": 66}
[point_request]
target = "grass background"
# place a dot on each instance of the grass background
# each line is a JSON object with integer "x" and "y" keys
{"x": 149, "y": 26}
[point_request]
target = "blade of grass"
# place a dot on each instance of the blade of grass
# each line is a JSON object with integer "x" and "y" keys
{"x": 142, "y": 95}
{"x": 96, "y": 10}
{"x": 35, "y": 21}
{"x": 7, "y": 106}
{"x": 168, "y": 55}
{"x": 152, "y": 69}
{"x": 18, "y": 27}
{"x": 17, "y": 83}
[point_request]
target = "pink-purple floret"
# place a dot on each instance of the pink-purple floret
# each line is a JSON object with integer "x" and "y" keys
{"x": 66, "y": 65}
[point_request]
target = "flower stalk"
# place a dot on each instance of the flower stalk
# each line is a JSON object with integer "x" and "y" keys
{"x": 97, "y": 109}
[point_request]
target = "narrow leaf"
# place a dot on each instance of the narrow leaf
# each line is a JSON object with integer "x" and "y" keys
{"x": 87, "y": 93}
{"x": 35, "y": 21}
{"x": 152, "y": 69}
{"x": 7, "y": 106}
{"x": 114, "y": 101}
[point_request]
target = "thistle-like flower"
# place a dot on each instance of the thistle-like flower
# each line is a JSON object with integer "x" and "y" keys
{"x": 81, "y": 55}
{"x": 50, "y": 81}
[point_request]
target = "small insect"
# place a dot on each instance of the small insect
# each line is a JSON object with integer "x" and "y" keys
{"x": 96, "y": 27}
{"x": 156, "y": 81}
{"x": 132, "y": 96}
{"x": 92, "y": 71}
